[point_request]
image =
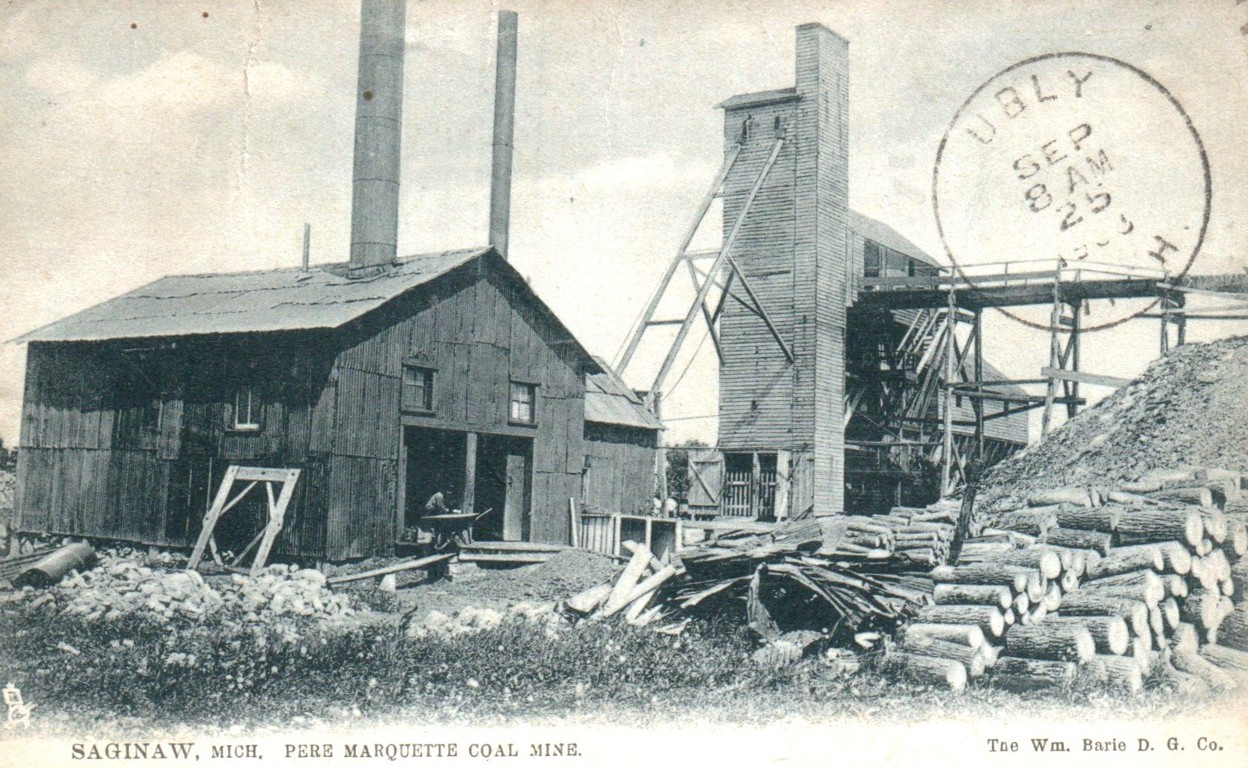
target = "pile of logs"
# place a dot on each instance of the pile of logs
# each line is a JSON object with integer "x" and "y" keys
{"x": 1099, "y": 585}
{"x": 912, "y": 535}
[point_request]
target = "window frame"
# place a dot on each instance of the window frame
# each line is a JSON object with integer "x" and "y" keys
{"x": 255, "y": 408}
{"x": 427, "y": 403}
{"x": 528, "y": 387}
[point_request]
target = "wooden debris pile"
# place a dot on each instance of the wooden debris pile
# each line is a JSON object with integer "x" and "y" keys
{"x": 633, "y": 594}
{"x": 1103, "y": 585}
{"x": 801, "y": 576}
{"x": 806, "y": 574}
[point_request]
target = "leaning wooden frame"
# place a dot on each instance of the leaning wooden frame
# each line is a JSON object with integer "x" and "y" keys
{"x": 253, "y": 476}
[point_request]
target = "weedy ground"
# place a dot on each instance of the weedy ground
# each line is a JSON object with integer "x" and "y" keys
{"x": 138, "y": 675}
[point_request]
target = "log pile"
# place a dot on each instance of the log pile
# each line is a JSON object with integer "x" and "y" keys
{"x": 1104, "y": 585}
{"x": 909, "y": 535}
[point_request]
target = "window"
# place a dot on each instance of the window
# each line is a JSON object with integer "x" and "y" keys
{"x": 247, "y": 405}
{"x": 417, "y": 388}
{"x": 871, "y": 259}
{"x": 895, "y": 264}
{"x": 523, "y": 397}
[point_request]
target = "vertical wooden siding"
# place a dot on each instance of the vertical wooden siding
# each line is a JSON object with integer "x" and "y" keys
{"x": 478, "y": 331}
{"x": 78, "y": 476}
{"x": 621, "y": 473}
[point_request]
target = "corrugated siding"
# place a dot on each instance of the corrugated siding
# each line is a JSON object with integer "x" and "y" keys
{"x": 478, "y": 333}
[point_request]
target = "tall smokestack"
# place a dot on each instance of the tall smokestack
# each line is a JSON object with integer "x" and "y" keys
{"x": 378, "y": 117}
{"x": 504, "y": 124}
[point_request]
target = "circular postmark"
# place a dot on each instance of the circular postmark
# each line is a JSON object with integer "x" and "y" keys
{"x": 1074, "y": 163}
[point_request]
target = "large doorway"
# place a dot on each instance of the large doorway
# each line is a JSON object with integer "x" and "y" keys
{"x": 503, "y": 471}
{"x": 749, "y": 485}
{"x": 436, "y": 460}
{"x": 500, "y": 470}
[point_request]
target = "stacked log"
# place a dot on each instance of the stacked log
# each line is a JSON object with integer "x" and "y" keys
{"x": 1166, "y": 586}
{"x": 910, "y": 535}
{"x": 993, "y": 603}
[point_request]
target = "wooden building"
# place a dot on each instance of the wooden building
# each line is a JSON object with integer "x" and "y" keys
{"x": 803, "y": 385}
{"x": 442, "y": 372}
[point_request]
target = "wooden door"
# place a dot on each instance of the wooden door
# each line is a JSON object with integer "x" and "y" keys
{"x": 516, "y": 501}
{"x": 706, "y": 480}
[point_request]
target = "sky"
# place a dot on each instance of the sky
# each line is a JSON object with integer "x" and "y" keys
{"x": 143, "y": 138}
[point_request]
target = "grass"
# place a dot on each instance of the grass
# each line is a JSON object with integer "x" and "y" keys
{"x": 221, "y": 672}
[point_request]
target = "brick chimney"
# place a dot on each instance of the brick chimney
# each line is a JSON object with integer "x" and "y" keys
{"x": 378, "y": 122}
{"x": 793, "y": 249}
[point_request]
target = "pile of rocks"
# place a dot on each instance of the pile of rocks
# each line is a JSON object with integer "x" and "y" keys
{"x": 472, "y": 619}
{"x": 120, "y": 586}
{"x": 284, "y": 589}
{"x": 1184, "y": 408}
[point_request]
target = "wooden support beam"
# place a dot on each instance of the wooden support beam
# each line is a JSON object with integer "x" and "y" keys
{"x": 729, "y": 242}
{"x": 705, "y": 205}
{"x": 470, "y": 471}
{"x": 1085, "y": 378}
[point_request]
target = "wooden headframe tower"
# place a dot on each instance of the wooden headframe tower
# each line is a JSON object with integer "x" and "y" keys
{"x": 774, "y": 295}
{"x": 793, "y": 246}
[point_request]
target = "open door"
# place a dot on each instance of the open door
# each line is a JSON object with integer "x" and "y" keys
{"x": 503, "y": 494}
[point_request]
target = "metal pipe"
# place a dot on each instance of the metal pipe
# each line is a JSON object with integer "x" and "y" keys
{"x": 504, "y": 129}
{"x": 51, "y": 569}
{"x": 378, "y": 123}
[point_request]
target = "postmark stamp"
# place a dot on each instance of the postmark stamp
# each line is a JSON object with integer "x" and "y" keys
{"x": 1072, "y": 162}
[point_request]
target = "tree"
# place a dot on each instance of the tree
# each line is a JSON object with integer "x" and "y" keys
{"x": 678, "y": 469}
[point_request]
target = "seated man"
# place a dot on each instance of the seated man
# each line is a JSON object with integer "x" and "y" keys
{"x": 436, "y": 505}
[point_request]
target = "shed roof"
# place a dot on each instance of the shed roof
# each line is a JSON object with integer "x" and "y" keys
{"x": 872, "y": 229}
{"x": 248, "y": 302}
{"x": 608, "y": 400}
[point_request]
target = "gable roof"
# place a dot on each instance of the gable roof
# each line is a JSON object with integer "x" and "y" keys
{"x": 323, "y": 297}
{"x": 608, "y": 400}
{"x": 248, "y": 302}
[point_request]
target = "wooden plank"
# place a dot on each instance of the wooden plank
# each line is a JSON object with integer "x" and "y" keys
{"x": 470, "y": 473}
{"x": 513, "y": 558}
{"x": 512, "y": 546}
{"x": 423, "y": 562}
{"x": 1085, "y": 378}
{"x": 265, "y": 474}
{"x": 211, "y": 517}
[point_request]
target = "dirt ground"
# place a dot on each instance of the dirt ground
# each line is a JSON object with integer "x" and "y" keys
{"x": 499, "y": 589}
